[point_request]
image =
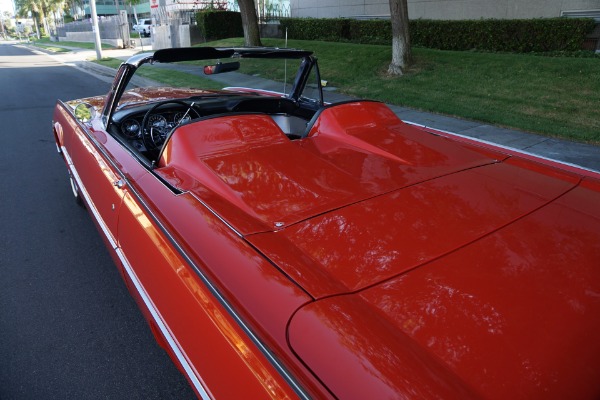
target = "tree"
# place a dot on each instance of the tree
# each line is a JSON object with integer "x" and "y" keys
{"x": 37, "y": 8}
{"x": 249, "y": 23}
{"x": 401, "y": 52}
{"x": 2, "y": 29}
{"x": 74, "y": 6}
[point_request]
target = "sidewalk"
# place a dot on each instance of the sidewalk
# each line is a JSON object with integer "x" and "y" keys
{"x": 579, "y": 154}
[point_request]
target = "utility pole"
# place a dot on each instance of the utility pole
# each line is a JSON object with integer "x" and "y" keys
{"x": 96, "y": 30}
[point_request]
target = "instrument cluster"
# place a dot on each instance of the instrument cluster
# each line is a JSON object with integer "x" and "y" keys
{"x": 131, "y": 128}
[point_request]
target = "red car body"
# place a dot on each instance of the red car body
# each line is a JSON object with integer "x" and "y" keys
{"x": 366, "y": 258}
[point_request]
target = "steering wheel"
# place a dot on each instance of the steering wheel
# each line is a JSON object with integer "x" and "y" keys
{"x": 155, "y": 135}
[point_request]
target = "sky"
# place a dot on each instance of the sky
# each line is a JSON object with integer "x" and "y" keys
{"x": 6, "y": 5}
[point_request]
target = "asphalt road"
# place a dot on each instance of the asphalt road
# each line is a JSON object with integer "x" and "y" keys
{"x": 68, "y": 327}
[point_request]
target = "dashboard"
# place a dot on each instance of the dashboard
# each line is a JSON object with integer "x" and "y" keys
{"x": 131, "y": 128}
{"x": 147, "y": 127}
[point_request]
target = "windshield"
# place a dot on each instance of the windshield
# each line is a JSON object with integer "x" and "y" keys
{"x": 168, "y": 80}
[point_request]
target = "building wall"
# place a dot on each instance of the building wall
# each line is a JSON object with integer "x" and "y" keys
{"x": 107, "y": 7}
{"x": 338, "y": 8}
{"x": 442, "y": 9}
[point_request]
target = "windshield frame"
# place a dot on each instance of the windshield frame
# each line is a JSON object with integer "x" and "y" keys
{"x": 128, "y": 68}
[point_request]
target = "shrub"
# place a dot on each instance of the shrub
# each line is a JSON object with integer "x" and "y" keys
{"x": 327, "y": 29}
{"x": 520, "y": 36}
{"x": 370, "y": 32}
{"x": 214, "y": 25}
{"x": 531, "y": 35}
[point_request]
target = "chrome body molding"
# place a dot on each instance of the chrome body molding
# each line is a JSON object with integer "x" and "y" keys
{"x": 277, "y": 365}
{"x": 512, "y": 149}
{"x": 164, "y": 329}
{"x": 213, "y": 212}
{"x": 217, "y": 294}
{"x": 88, "y": 200}
{"x": 172, "y": 342}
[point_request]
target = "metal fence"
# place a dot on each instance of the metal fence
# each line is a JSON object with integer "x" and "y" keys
{"x": 169, "y": 21}
{"x": 110, "y": 27}
{"x": 267, "y": 10}
{"x": 273, "y": 10}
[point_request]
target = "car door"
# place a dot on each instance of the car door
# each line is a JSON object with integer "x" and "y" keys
{"x": 187, "y": 313}
{"x": 88, "y": 151}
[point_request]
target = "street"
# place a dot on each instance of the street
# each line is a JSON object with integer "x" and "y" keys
{"x": 68, "y": 327}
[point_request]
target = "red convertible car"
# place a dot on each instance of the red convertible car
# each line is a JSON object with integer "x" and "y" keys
{"x": 283, "y": 247}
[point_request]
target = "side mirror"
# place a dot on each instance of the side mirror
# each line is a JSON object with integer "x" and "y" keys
{"x": 84, "y": 112}
{"x": 219, "y": 68}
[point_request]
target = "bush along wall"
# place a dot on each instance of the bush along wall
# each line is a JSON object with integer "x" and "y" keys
{"x": 214, "y": 25}
{"x": 522, "y": 36}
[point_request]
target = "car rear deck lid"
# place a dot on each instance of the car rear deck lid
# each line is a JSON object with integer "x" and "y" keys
{"x": 248, "y": 162}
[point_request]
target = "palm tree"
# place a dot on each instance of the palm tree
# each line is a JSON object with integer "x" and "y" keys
{"x": 35, "y": 8}
{"x": 57, "y": 7}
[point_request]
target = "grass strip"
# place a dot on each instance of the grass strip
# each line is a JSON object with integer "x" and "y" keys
{"x": 52, "y": 48}
{"x": 554, "y": 96}
{"x": 46, "y": 42}
{"x": 167, "y": 76}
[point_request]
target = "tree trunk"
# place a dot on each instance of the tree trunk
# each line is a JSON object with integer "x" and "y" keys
{"x": 44, "y": 21}
{"x": 249, "y": 23}
{"x": 401, "y": 52}
{"x": 37, "y": 28}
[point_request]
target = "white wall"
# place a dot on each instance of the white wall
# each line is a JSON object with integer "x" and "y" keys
{"x": 161, "y": 37}
{"x": 338, "y": 8}
{"x": 443, "y": 9}
{"x": 89, "y": 38}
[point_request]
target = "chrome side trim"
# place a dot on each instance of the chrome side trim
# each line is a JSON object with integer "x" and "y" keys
{"x": 172, "y": 342}
{"x": 88, "y": 200}
{"x": 277, "y": 365}
{"x": 220, "y": 298}
{"x": 181, "y": 357}
{"x": 213, "y": 212}
{"x": 502, "y": 146}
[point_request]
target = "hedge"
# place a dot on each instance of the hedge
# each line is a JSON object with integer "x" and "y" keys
{"x": 216, "y": 25}
{"x": 526, "y": 35}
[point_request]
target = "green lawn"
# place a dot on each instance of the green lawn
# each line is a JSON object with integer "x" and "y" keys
{"x": 555, "y": 96}
{"x": 168, "y": 78}
{"x": 56, "y": 46}
{"x": 48, "y": 45}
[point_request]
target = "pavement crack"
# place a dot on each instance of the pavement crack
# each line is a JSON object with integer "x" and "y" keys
{"x": 535, "y": 144}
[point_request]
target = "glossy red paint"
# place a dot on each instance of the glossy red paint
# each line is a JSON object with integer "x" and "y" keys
{"x": 547, "y": 262}
{"x": 420, "y": 224}
{"x": 370, "y": 259}
{"x": 236, "y": 161}
{"x": 366, "y": 356}
{"x": 197, "y": 331}
{"x": 420, "y": 199}
{"x": 212, "y": 342}
{"x": 513, "y": 315}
